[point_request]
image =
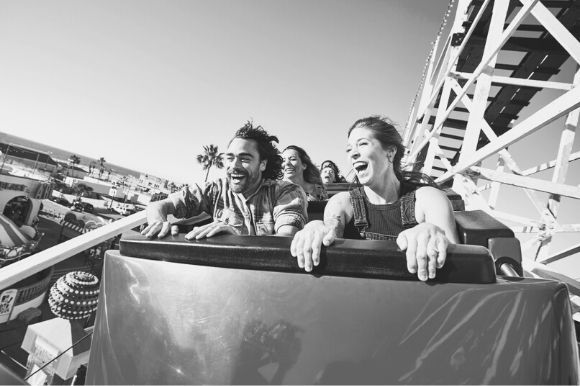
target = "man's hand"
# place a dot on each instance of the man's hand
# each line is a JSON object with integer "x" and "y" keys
{"x": 307, "y": 243}
{"x": 209, "y": 230}
{"x": 159, "y": 229}
{"x": 157, "y": 224}
{"x": 426, "y": 246}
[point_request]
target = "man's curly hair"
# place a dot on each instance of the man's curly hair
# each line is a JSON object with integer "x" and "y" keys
{"x": 266, "y": 148}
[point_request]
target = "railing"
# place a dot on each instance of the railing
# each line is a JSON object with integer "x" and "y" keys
{"x": 22, "y": 269}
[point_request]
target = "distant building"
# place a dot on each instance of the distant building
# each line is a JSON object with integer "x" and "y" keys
{"x": 149, "y": 187}
{"x": 98, "y": 186}
{"x": 34, "y": 160}
{"x": 153, "y": 183}
{"x": 117, "y": 192}
{"x": 75, "y": 171}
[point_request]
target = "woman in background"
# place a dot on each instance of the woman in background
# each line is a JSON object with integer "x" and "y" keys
{"x": 299, "y": 169}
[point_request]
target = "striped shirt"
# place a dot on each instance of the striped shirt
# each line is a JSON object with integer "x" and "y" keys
{"x": 273, "y": 205}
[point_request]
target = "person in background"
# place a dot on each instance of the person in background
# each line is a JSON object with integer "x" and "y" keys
{"x": 329, "y": 173}
{"x": 387, "y": 204}
{"x": 299, "y": 169}
{"x": 249, "y": 201}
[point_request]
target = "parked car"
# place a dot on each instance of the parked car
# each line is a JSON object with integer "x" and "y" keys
{"x": 60, "y": 201}
{"x": 83, "y": 207}
{"x": 125, "y": 209}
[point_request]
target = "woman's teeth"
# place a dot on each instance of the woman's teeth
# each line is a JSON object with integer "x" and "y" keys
{"x": 360, "y": 167}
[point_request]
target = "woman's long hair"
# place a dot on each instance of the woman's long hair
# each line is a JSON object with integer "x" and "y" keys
{"x": 311, "y": 173}
{"x": 384, "y": 130}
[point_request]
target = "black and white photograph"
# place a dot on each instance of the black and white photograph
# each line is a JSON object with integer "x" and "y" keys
{"x": 289, "y": 192}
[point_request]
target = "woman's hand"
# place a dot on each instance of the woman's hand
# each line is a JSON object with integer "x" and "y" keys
{"x": 426, "y": 249}
{"x": 307, "y": 243}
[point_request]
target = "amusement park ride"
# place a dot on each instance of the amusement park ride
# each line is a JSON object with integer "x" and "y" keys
{"x": 236, "y": 309}
{"x": 497, "y": 60}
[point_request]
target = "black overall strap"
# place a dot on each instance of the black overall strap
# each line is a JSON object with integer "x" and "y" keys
{"x": 408, "y": 210}
{"x": 360, "y": 214}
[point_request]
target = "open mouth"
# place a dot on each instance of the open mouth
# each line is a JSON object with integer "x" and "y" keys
{"x": 360, "y": 167}
{"x": 237, "y": 177}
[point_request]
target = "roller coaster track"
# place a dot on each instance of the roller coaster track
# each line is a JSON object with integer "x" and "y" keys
{"x": 507, "y": 70}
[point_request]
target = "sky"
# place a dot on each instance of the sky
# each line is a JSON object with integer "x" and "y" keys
{"x": 147, "y": 83}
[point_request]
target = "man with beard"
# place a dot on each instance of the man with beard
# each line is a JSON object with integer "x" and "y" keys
{"x": 249, "y": 201}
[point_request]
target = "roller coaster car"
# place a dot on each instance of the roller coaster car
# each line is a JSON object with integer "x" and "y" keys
{"x": 474, "y": 228}
{"x": 237, "y": 309}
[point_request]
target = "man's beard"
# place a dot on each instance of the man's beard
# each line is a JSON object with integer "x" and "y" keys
{"x": 239, "y": 180}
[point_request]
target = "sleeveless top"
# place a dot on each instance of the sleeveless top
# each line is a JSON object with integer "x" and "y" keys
{"x": 380, "y": 222}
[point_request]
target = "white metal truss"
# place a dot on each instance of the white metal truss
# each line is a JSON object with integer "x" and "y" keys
{"x": 468, "y": 109}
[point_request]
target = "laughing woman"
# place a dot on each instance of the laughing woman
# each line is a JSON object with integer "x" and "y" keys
{"x": 299, "y": 169}
{"x": 388, "y": 204}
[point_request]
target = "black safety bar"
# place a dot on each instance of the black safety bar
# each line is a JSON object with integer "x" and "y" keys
{"x": 356, "y": 258}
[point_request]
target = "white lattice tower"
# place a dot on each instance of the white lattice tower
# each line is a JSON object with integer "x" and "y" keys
{"x": 481, "y": 93}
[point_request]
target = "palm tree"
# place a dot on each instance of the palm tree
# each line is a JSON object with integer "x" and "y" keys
{"x": 101, "y": 162}
{"x": 73, "y": 160}
{"x": 210, "y": 157}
